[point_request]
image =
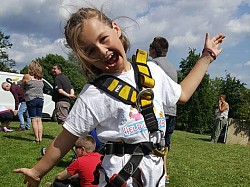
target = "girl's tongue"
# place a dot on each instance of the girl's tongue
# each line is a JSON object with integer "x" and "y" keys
{"x": 112, "y": 59}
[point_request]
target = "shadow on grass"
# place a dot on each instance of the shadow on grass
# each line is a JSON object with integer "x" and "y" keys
{"x": 48, "y": 136}
{"x": 26, "y": 139}
{"x": 18, "y": 138}
{"x": 202, "y": 139}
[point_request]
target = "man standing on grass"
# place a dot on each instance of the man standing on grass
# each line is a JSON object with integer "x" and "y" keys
{"x": 158, "y": 51}
{"x": 63, "y": 92}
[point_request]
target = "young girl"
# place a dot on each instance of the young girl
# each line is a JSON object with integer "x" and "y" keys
{"x": 101, "y": 46}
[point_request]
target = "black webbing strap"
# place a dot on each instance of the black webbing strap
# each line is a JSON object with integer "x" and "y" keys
{"x": 120, "y": 149}
{"x": 127, "y": 171}
{"x": 117, "y": 88}
{"x": 131, "y": 169}
{"x": 149, "y": 118}
{"x": 142, "y": 99}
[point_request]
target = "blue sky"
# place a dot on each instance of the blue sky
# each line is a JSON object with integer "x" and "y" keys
{"x": 36, "y": 28}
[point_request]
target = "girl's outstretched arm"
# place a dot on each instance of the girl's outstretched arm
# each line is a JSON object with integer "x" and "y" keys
{"x": 193, "y": 79}
{"x": 56, "y": 150}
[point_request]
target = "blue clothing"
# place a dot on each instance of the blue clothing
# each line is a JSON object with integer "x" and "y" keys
{"x": 35, "y": 107}
{"x": 170, "y": 126}
{"x": 97, "y": 141}
{"x": 23, "y": 109}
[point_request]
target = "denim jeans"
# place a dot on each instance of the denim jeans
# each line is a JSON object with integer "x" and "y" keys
{"x": 35, "y": 107}
{"x": 23, "y": 109}
{"x": 170, "y": 126}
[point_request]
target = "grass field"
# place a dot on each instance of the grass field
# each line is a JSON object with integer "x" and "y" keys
{"x": 193, "y": 160}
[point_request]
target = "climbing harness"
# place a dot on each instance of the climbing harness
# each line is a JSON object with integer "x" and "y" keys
{"x": 142, "y": 100}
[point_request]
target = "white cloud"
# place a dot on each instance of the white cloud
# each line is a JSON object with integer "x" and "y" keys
{"x": 26, "y": 48}
{"x": 241, "y": 25}
{"x": 247, "y": 63}
{"x": 36, "y": 27}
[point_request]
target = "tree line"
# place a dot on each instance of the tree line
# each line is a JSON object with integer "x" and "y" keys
{"x": 195, "y": 116}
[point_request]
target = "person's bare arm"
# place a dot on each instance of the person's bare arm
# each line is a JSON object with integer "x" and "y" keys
{"x": 62, "y": 92}
{"x": 223, "y": 106}
{"x": 25, "y": 79}
{"x": 56, "y": 150}
{"x": 63, "y": 175}
{"x": 72, "y": 94}
{"x": 193, "y": 79}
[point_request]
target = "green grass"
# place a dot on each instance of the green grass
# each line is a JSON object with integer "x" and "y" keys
{"x": 193, "y": 160}
{"x": 18, "y": 149}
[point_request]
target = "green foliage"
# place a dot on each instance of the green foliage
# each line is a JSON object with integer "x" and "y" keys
{"x": 236, "y": 95}
{"x": 5, "y": 62}
{"x": 71, "y": 68}
{"x": 196, "y": 115}
{"x": 233, "y": 89}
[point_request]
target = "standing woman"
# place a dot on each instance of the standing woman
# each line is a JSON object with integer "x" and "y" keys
{"x": 33, "y": 86}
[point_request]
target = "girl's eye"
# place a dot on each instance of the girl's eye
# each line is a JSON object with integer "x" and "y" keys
{"x": 104, "y": 39}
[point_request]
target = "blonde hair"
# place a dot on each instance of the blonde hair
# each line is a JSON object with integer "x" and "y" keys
{"x": 87, "y": 142}
{"x": 35, "y": 69}
{"x": 73, "y": 28}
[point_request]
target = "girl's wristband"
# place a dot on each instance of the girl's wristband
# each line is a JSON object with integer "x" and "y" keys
{"x": 210, "y": 51}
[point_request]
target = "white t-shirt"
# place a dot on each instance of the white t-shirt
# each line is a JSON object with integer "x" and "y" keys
{"x": 114, "y": 120}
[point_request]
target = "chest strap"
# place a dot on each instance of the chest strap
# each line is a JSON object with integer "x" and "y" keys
{"x": 141, "y": 97}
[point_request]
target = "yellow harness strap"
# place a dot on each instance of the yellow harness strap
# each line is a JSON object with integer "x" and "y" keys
{"x": 124, "y": 91}
{"x": 142, "y": 99}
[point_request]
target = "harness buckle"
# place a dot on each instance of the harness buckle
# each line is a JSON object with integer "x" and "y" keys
{"x": 148, "y": 92}
{"x": 157, "y": 137}
{"x": 159, "y": 153}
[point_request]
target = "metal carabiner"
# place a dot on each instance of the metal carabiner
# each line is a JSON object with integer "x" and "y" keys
{"x": 140, "y": 94}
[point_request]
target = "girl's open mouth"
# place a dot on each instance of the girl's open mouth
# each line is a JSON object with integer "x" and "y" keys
{"x": 112, "y": 59}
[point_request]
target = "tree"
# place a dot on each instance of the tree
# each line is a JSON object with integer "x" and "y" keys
{"x": 196, "y": 115}
{"x": 238, "y": 98}
{"x": 70, "y": 68}
{"x": 235, "y": 95}
{"x": 5, "y": 62}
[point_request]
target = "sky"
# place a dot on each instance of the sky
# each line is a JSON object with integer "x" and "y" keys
{"x": 36, "y": 29}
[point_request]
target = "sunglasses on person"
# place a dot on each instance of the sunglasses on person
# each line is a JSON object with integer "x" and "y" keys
{"x": 77, "y": 147}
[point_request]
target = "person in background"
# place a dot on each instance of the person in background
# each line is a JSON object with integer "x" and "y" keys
{"x": 62, "y": 94}
{"x": 99, "y": 145}
{"x": 101, "y": 46}
{"x": 158, "y": 51}
{"x": 83, "y": 167}
{"x": 32, "y": 84}
{"x": 20, "y": 104}
{"x": 221, "y": 118}
{"x": 6, "y": 115}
